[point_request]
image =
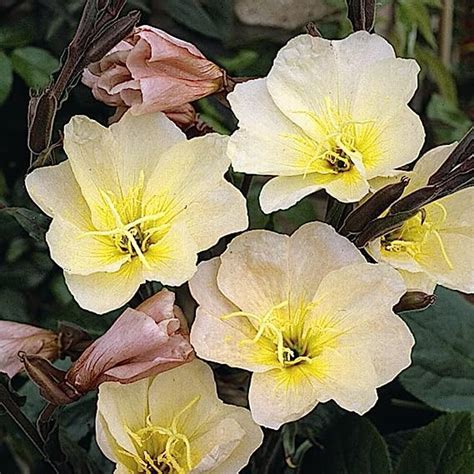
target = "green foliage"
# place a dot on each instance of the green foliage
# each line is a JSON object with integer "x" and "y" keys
{"x": 212, "y": 18}
{"x": 449, "y": 123}
{"x": 6, "y": 77}
{"x": 355, "y": 446}
{"x": 34, "y": 223}
{"x": 442, "y": 373}
{"x": 34, "y": 65}
{"x": 443, "y": 447}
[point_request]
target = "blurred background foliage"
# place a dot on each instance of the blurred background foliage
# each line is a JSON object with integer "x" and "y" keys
{"x": 243, "y": 36}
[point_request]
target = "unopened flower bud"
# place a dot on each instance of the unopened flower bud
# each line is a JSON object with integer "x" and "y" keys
{"x": 414, "y": 300}
{"x": 151, "y": 71}
{"x": 142, "y": 342}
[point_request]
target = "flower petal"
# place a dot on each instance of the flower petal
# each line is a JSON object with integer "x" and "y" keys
{"x": 46, "y": 187}
{"x": 190, "y": 179}
{"x": 280, "y": 396}
{"x": 309, "y": 70}
{"x": 315, "y": 250}
{"x": 123, "y": 407}
{"x": 102, "y": 292}
{"x": 254, "y": 271}
{"x": 262, "y": 144}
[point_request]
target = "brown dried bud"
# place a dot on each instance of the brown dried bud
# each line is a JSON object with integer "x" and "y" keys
{"x": 414, "y": 300}
{"x": 361, "y": 14}
{"x": 49, "y": 379}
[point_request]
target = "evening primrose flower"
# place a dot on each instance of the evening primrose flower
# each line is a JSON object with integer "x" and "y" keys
{"x": 330, "y": 115}
{"x": 307, "y": 314}
{"x": 434, "y": 246}
{"x": 134, "y": 202}
{"x": 174, "y": 423}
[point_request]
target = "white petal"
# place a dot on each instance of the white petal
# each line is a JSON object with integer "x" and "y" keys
{"x": 254, "y": 271}
{"x": 102, "y": 292}
{"x": 309, "y": 70}
{"x": 262, "y": 144}
{"x": 316, "y": 249}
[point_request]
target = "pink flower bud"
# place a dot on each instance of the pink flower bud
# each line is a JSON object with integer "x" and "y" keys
{"x": 142, "y": 342}
{"x": 17, "y": 337}
{"x": 152, "y": 71}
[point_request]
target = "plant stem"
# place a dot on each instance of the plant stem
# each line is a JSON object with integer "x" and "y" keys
{"x": 24, "y": 424}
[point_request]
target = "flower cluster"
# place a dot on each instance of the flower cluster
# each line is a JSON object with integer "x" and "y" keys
{"x": 306, "y": 314}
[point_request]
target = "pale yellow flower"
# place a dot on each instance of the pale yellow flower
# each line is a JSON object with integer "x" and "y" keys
{"x": 330, "y": 115}
{"x": 134, "y": 202}
{"x": 174, "y": 423}
{"x": 436, "y": 245}
{"x": 307, "y": 314}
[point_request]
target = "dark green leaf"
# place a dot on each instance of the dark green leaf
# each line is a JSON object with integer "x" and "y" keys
{"x": 13, "y": 305}
{"x": 34, "y": 65}
{"x": 191, "y": 14}
{"x": 34, "y": 223}
{"x": 443, "y": 447}
{"x": 397, "y": 442}
{"x": 355, "y": 446}
{"x": 17, "y": 33}
{"x": 6, "y": 77}
{"x": 442, "y": 372}
{"x": 316, "y": 425}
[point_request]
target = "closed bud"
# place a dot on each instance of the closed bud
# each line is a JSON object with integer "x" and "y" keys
{"x": 414, "y": 300}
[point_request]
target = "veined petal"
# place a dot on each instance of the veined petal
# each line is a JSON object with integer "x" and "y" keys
{"x": 308, "y": 71}
{"x": 190, "y": 180}
{"x": 46, "y": 187}
{"x": 204, "y": 289}
{"x": 281, "y": 395}
{"x": 114, "y": 159}
{"x": 418, "y": 281}
{"x": 266, "y": 142}
{"x": 103, "y": 291}
{"x": 229, "y": 341}
{"x": 124, "y": 408}
{"x": 453, "y": 265}
{"x": 77, "y": 251}
{"x": 172, "y": 260}
{"x": 315, "y": 250}
{"x": 254, "y": 271}
{"x": 347, "y": 376}
{"x": 142, "y": 140}
{"x": 355, "y": 293}
{"x": 399, "y": 140}
{"x": 241, "y": 426}
{"x": 283, "y": 192}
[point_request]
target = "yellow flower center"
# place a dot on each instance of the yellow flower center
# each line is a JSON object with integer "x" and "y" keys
{"x": 295, "y": 342}
{"x": 162, "y": 449}
{"x": 412, "y": 236}
{"x": 133, "y": 226}
{"x": 342, "y": 144}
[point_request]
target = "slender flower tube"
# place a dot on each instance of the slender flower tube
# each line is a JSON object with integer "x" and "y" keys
{"x": 151, "y": 71}
{"x": 307, "y": 315}
{"x": 174, "y": 423}
{"x": 330, "y": 115}
{"x": 17, "y": 337}
{"x": 134, "y": 202}
{"x": 435, "y": 246}
{"x": 142, "y": 342}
